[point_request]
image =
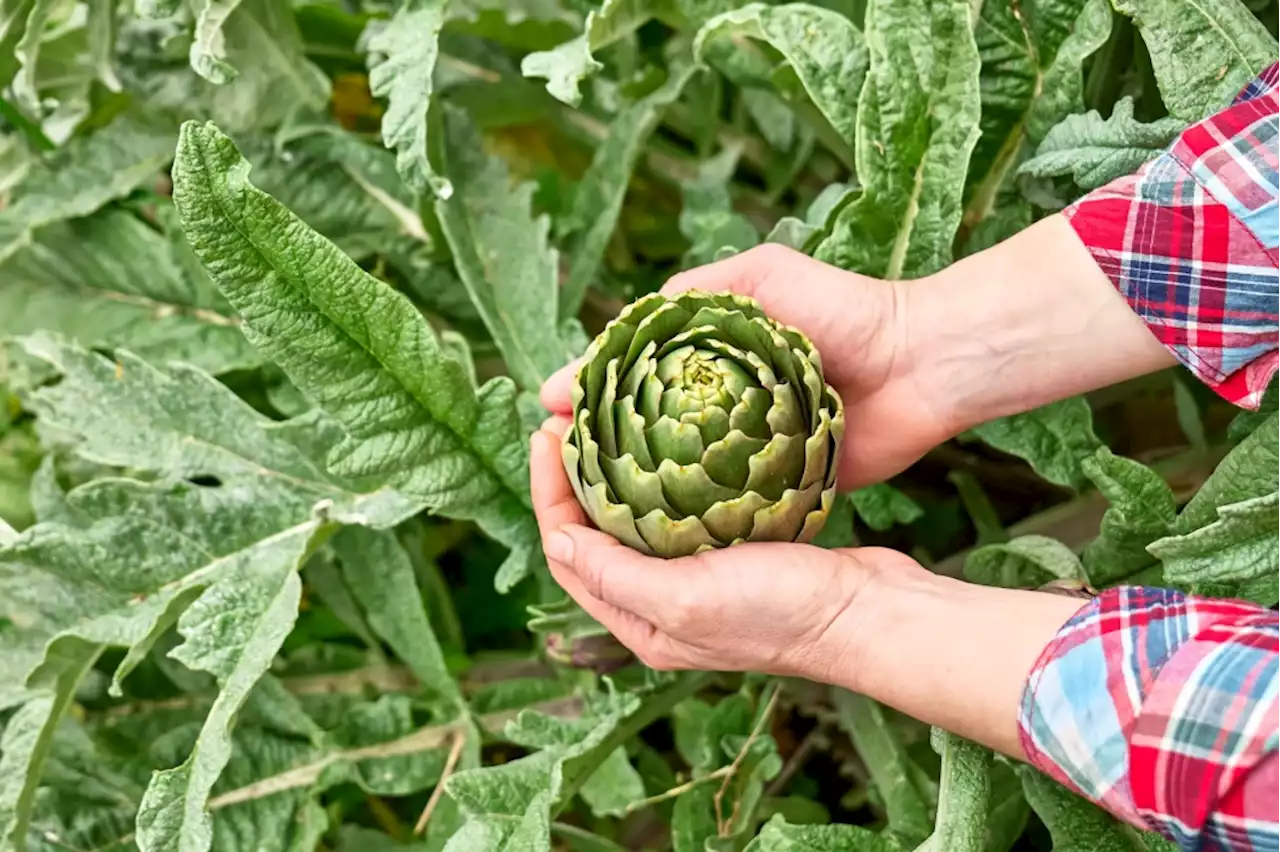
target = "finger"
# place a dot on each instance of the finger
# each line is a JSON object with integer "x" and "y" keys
{"x": 554, "y": 503}
{"x": 556, "y": 426}
{"x": 629, "y": 629}
{"x": 556, "y": 394}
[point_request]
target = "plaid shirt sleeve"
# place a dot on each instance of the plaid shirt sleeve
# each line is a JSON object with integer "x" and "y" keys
{"x": 1190, "y": 240}
{"x": 1162, "y": 708}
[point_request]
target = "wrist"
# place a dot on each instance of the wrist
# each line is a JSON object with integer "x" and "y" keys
{"x": 1024, "y": 323}
{"x": 949, "y": 653}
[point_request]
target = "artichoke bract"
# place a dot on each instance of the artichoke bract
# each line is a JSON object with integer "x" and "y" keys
{"x": 699, "y": 422}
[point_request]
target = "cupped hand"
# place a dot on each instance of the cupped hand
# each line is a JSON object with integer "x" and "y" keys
{"x": 858, "y": 324}
{"x": 777, "y": 608}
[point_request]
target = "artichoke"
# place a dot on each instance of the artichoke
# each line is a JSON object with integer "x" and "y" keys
{"x": 699, "y": 422}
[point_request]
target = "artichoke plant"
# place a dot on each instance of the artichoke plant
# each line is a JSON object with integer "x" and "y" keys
{"x": 699, "y": 422}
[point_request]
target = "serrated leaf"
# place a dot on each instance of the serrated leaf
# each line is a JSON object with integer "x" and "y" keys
{"x": 907, "y": 806}
{"x": 81, "y": 279}
{"x": 213, "y": 560}
{"x": 1054, "y": 439}
{"x": 208, "y": 52}
{"x": 402, "y": 61}
{"x": 502, "y": 254}
{"x": 181, "y": 423}
{"x": 917, "y": 124}
{"x": 1243, "y": 544}
{"x": 360, "y": 351}
{"x": 378, "y": 572}
{"x": 824, "y": 48}
{"x": 1142, "y": 510}
{"x": 1028, "y": 561}
{"x": 1078, "y": 826}
{"x": 87, "y": 174}
{"x": 881, "y": 506}
{"x": 707, "y": 219}
{"x": 780, "y": 836}
{"x": 1251, "y": 469}
{"x": 565, "y": 66}
{"x": 1096, "y": 151}
{"x": 1031, "y": 79}
{"x": 597, "y": 200}
{"x": 1202, "y": 51}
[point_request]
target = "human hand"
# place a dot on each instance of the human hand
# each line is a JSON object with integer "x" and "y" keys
{"x": 767, "y": 607}
{"x": 857, "y": 325}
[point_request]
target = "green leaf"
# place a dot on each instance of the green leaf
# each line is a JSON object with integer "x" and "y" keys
{"x": 1202, "y": 51}
{"x": 597, "y": 200}
{"x": 181, "y": 423}
{"x": 1031, "y": 80}
{"x": 378, "y": 572}
{"x": 87, "y": 174}
{"x": 208, "y": 52}
{"x": 907, "y": 806}
{"x": 27, "y": 51}
{"x": 1251, "y": 469}
{"x": 1142, "y": 510}
{"x": 964, "y": 795}
{"x": 360, "y": 351}
{"x": 502, "y": 254}
{"x": 779, "y": 836}
{"x": 917, "y": 124}
{"x": 81, "y": 279}
{"x": 1027, "y": 561}
{"x": 565, "y": 66}
{"x": 824, "y": 48}
{"x": 881, "y": 506}
{"x": 1096, "y": 151}
{"x": 402, "y": 62}
{"x": 707, "y": 218}
{"x": 1078, "y": 826}
{"x": 1054, "y": 439}
{"x": 1009, "y": 808}
{"x": 1243, "y": 544}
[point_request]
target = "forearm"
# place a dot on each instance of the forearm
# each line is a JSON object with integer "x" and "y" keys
{"x": 1024, "y": 323}
{"x": 967, "y": 650}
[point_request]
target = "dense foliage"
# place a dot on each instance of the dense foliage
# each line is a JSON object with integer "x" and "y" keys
{"x": 269, "y": 578}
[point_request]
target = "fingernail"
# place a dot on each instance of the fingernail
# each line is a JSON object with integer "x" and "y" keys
{"x": 559, "y": 548}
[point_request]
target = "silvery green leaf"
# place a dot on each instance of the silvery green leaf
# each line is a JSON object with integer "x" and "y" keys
{"x": 964, "y": 795}
{"x": 378, "y": 572}
{"x": 597, "y": 200}
{"x": 208, "y": 43}
{"x": 1096, "y": 151}
{"x": 707, "y": 218}
{"x": 27, "y": 51}
{"x": 402, "y": 59}
{"x": 907, "y": 806}
{"x": 1054, "y": 439}
{"x": 87, "y": 174}
{"x": 1078, "y": 826}
{"x": 881, "y": 506}
{"x": 916, "y": 127}
{"x": 824, "y": 48}
{"x": 219, "y": 562}
{"x": 360, "y": 351}
{"x": 778, "y": 835}
{"x": 1028, "y": 561}
{"x": 1031, "y": 79}
{"x": 1251, "y": 469}
{"x": 1202, "y": 51}
{"x": 1142, "y": 510}
{"x": 81, "y": 279}
{"x": 565, "y": 66}
{"x": 1240, "y": 546}
{"x": 502, "y": 254}
{"x": 183, "y": 423}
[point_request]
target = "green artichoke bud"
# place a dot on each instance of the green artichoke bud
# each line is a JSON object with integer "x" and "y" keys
{"x": 699, "y": 422}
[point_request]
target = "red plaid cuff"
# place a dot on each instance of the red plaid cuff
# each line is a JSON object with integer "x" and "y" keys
{"x": 1190, "y": 241}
